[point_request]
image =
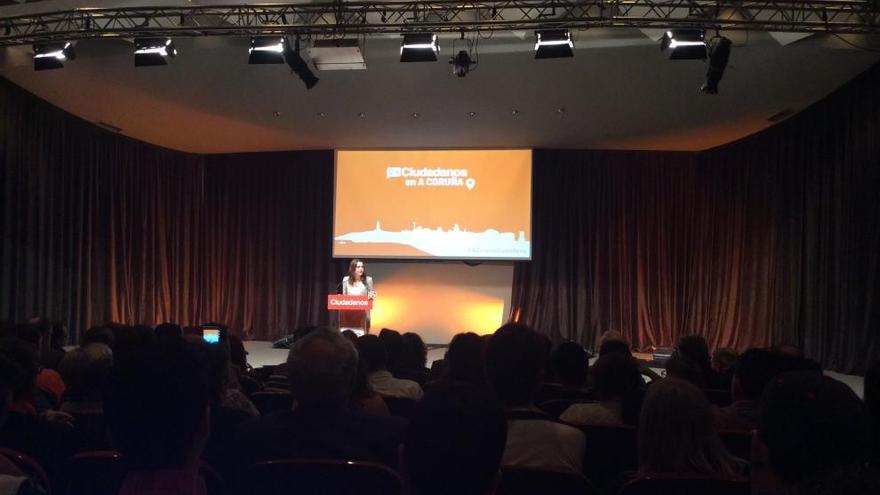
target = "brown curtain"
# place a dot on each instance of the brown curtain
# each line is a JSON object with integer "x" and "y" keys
{"x": 772, "y": 239}
{"x": 97, "y": 227}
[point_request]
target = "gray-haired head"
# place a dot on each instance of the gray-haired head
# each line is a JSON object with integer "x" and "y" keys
{"x": 321, "y": 369}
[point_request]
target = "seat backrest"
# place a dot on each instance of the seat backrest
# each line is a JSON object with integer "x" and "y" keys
{"x": 527, "y": 481}
{"x": 555, "y": 407}
{"x": 269, "y": 402}
{"x": 318, "y": 477}
{"x": 684, "y": 485}
{"x": 28, "y": 466}
{"x": 97, "y": 472}
{"x": 610, "y": 451}
{"x": 400, "y": 406}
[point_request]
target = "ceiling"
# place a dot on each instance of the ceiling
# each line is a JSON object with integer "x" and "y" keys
{"x": 618, "y": 92}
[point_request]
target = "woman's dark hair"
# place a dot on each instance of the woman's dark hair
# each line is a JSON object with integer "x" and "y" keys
{"x": 464, "y": 359}
{"x": 570, "y": 363}
{"x": 352, "y": 267}
{"x": 413, "y": 353}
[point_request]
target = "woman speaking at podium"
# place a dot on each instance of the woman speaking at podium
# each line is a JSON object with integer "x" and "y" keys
{"x": 357, "y": 283}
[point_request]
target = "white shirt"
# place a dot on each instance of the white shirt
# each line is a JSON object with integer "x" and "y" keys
{"x": 544, "y": 444}
{"x": 387, "y": 386}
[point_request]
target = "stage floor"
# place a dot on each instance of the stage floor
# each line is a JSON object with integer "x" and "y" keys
{"x": 261, "y": 353}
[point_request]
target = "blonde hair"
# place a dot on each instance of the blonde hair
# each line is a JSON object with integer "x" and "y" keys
{"x": 677, "y": 433}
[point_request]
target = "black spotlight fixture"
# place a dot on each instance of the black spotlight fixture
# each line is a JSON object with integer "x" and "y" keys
{"x": 554, "y": 43}
{"x": 267, "y": 50}
{"x": 153, "y": 51}
{"x": 719, "y": 54}
{"x": 461, "y": 63}
{"x": 684, "y": 44}
{"x": 299, "y": 66}
{"x": 49, "y": 56}
{"x": 419, "y": 47}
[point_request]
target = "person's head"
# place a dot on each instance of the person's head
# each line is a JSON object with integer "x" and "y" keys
{"x": 321, "y": 369}
{"x": 44, "y": 327}
{"x": 393, "y": 342}
{"x": 464, "y": 359}
{"x": 30, "y": 334}
{"x": 168, "y": 331}
{"x": 217, "y": 361}
{"x": 373, "y": 352}
{"x": 810, "y": 423}
{"x": 751, "y": 373}
{"x": 58, "y": 335}
{"x": 515, "y": 357}
{"x": 610, "y": 335}
{"x": 19, "y": 369}
{"x": 695, "y": 348}
{"x": 99, "y": 334}
{"x": 677, "y": 433}
{"x": 615, "y": 375}
{"x": 570, "y": 363}
{"x": 157, "y": 411}
{"x": 85, "y": 370}
{"x": 679, "y": 366}
{"x": 723, "y": 359}
{"x": 618, "y": 346}
{"x": 351, "y": 336}
{"x": 454, "y": 443}
{"x": 237, "y": 352}
{"x": 413, "y": 353}
{"x": 357, "y": 270}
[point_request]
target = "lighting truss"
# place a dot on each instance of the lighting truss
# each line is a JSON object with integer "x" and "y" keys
{"x": 338, "y": 18}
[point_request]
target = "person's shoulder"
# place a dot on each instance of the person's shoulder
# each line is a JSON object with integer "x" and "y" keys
{"x": 345, "y": 278}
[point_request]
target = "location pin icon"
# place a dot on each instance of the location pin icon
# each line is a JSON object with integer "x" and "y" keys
{"x": 470, "y": 183}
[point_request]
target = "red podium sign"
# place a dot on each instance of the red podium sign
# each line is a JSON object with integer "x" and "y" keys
{"x": 342, "y": 302}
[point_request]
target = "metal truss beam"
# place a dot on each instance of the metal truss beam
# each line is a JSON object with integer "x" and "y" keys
{"x": 347, "y": 18}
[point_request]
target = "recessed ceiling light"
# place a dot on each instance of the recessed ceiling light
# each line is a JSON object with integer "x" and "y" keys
{"x": 276, "y": 113}
{"x": 514, "y": 113}
{"x": 415, "y": 115}
{"x": 560, "y": 111}
{"x": 472, "y": 114}
{"x": 322, "y": 115}
{"x": 362, "y": 115}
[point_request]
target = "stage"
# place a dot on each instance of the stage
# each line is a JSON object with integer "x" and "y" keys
{"x": 261, "y": 353}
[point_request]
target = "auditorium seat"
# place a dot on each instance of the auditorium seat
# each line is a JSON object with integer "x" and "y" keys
{"x": 101, "y": 472}
{"x": 610, "y": 451}
{"x": 400, "y": 407}
{"x": 526, "y": 481}
{"x": 318, "y": 477}
{"x": 556, "y": 407}
{"x": 268, "y": 402}
{"x": 684, "y": 485}
{"x": 28, "y": 466}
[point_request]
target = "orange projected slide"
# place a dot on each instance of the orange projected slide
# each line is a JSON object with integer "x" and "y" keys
{"x": 449, "y": 204}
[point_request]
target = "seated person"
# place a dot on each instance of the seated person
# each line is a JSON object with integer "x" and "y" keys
{"x": 321, "y": 425}
{"x": 515, "y": 359}
{"x": 752, "y": 371}
{"x": 454, "y": 443}
{"x": 810, "y": 424}
{"x": 413, "y": 358}
{"x": 373, "y": 352}
{"x": 615, "y": 377}
{"x": 157, "y": 410}
{"x": 85, "y": 371}
{"x": 677, "y": 436}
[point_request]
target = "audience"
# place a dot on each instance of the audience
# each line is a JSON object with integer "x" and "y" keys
{"x": 571, "y": 364}
{"x": 515, "y": 358}
{"x": 751, "y": 373}
{"x": 615, "y": 376}
{"x": 13, "y": 481}
{"x": 695, "y": 349}
{"x": 50, "y": 386}
{"x": 393, "y": 342}
{"x": 677, "y": 434}
{"x": 373, "y": 352}
{"x": 810, "y": 423}
{"x": 464, "y": 359}
{"x": 413, "y": 358}
{"x": 158, "y": 414}
{"x": 723, "y": 360}
{"x": 86, "y": 371}
{"x": 321, "y": 369}
{"x": 454, "y": 443}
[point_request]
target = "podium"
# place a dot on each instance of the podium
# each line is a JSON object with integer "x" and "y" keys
{"x": 351, "y": 310}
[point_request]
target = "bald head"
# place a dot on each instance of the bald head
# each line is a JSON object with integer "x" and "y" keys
{"x": 321, "y": 368}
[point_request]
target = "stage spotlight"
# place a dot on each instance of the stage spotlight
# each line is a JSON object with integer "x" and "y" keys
{"x": 719, "y": 54}
{"x": 554, "y": 43}
{"x": 267, "y": 50}
{"x": 299, "y": 66}
{"x": 461, "y": 63}
{"x": 153, "y": 51}
{"x": 419, "y": 47}
{"x": 684, "y": 44}
{"x": 49, "y": 56}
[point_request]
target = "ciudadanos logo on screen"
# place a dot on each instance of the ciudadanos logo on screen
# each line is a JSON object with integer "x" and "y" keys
{"x": 431, "y": 177}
